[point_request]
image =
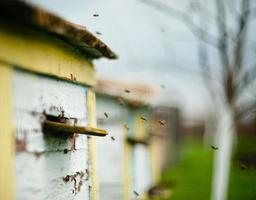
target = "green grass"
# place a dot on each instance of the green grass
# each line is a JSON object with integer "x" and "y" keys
{"x": 243, "y": 182}
{"x": 191, "y": 177}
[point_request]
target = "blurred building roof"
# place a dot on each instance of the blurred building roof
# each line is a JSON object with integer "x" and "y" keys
{"x": 131, "y": 93}
{"x": 76, "y": 35}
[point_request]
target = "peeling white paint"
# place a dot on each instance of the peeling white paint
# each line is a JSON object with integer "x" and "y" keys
{"x": 110, "y": 151}
{"x": 141, "y": 169}
{"x": 43, "y": 163}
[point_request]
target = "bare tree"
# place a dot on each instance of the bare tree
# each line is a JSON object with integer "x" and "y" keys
{"x": 231, "y": 21}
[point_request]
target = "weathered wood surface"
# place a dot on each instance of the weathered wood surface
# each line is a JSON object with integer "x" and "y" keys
{"x": 48, "y": 165}
{"x": 76, "y": 35}
{"x": 6, "y": 133}
{"x": 140, "y": 159}
{"x": 141, "y": 169}
{"x": 111, "y": 156}
{"x": 110, "y": 150}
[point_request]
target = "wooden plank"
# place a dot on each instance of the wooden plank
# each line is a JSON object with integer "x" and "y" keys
{"x": 6, "y": 134}
{"x": 37, "y": 52}
{"x": 61, "y": 127}
{"x": 114, "y": 180}
{"x": 40, "y": 94}
{"x": 91, "y": 107}
{"x": 49, "y": 166}
{"x": 140, "y": 161}
{"x": 111, "y": 178}
{"x": 76, "y": 35}
{"x": 52, "y": 175}
{"x": 141, "y": 174}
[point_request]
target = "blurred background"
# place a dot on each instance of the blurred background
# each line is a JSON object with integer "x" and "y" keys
{"x": 198, "y": 56}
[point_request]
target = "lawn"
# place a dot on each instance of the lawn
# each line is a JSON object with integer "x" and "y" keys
{"x": 191, "y": 177}
{"x": 243, "y": 171}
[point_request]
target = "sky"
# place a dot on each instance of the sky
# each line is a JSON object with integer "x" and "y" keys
{"x": 153, "y": 48}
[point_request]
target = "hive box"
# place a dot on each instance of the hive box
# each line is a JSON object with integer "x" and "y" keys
{"x": 47, "y": 105}
{"x": 126, "y": 153}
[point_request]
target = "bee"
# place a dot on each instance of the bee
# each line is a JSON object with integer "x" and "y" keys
{"x": 95, "y": 15}
{"x": 243, "y": 167}
{"x": 136, "y": 193}
{"x": 121, "y": 101}
{"x": 113, "y": 138}
{"x": 162, "y": 122}
{"x": 65, "y": 151}
{"x": 127, "y": 91}
{"x": 38, "y": 154}
{"x": 106, "y": 115}
{"x": 98, "y": 33}
{"x": 66, "y": 178}
{"x": 214, "y": 147}
{"x": 62, "y": 114}
{"x": 143, "y": 118}
{"x": 33, "y": 113}
{"x": 126, "y": 127}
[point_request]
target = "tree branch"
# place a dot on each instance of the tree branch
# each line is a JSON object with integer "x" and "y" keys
{"x": 185, "y": 18}
{"x": 245, "y": 110}
{"x": 223, "y": 43}
{"x": 240, "y": 37}
{"x": 246, "y": 80}
{"x": 238, "y": 53}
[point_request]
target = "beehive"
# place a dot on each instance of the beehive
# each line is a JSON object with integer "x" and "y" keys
{"x": 47, "y": 105}
{"x": 127, "y": 153}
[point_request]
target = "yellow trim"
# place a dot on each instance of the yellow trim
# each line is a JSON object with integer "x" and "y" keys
{"x": 43, "y": 53}
{"x": 127, "y": 169}
{"x": 91, "y": 110}
{"x": 155, "y": 164}
{"x": 140, "y": 127}
{"x": 6, "y": 134}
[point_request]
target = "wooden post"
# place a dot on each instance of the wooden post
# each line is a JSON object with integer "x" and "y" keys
{"x": 6, "y": 134}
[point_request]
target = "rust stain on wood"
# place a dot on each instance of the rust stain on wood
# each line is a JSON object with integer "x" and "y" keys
{"x": 20, "y": 145}
{"x": 78, "y": 178}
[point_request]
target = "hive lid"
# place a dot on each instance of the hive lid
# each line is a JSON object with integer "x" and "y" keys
{"x": 76, "y": 35}
{"x": 137, "y": 94}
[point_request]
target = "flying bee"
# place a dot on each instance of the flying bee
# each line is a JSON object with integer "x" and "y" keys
{"x": 136, "y": 193}
{"x": 106, "y": 115}
{"x": 126, "y": 127}
{"x": 121, "y": 101}
{"x": 65, "y": 151}
{"x": 243, "y": 167}
{"x": 214, "y": 147}
{"x": 143, "y": 118}
{"x": 162, "y": 122}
